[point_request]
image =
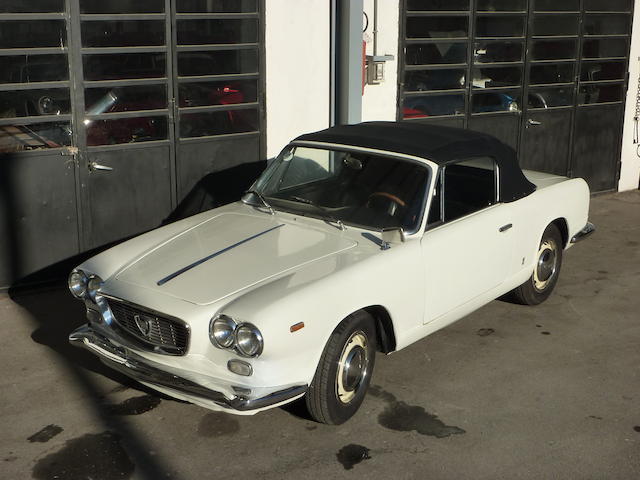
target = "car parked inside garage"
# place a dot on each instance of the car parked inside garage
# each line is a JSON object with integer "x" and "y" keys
{"x": 356, "y": 239}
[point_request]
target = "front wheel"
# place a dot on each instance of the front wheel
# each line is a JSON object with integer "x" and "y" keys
{"x": 344, "y": 371}
{"x": 546, "y": 271}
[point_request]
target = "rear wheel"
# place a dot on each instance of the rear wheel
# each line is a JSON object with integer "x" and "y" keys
{"x": 344, "y": 371}
{"x": 546, "y": 271}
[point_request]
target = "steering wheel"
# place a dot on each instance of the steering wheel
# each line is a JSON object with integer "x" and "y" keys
{"x": 394, "y": 203}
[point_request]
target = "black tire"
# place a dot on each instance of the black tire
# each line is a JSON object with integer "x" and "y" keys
{"x": 545, "y": 275}
{"x": 334, "y": 398}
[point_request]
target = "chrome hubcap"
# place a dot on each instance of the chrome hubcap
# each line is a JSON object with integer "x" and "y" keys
{"x": 352, "y": 367}
{"x": 547, "y": 264}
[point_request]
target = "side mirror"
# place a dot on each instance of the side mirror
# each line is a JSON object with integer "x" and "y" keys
{"x": 391, "y": 235}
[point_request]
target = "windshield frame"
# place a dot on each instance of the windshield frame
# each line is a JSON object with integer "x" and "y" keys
{"x": 429, "y": 165}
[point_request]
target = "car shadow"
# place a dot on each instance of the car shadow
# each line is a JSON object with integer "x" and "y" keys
{"x": 44, "y": 295}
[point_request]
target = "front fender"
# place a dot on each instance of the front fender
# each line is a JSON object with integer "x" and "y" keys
{"x": 321, "y": 295}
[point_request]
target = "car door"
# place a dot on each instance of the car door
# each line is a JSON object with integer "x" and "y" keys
{"x": 467, "y": 247}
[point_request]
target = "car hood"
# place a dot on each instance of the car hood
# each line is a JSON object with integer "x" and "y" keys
{"x": 228, "y": 253}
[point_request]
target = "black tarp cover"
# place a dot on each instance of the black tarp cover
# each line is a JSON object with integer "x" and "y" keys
{"x": 433, "y": 142}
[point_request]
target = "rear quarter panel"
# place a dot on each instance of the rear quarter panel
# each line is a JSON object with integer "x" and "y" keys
{"x": 567, "y": 200}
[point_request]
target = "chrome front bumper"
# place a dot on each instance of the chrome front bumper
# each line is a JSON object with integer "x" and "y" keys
{"x": 117, "y": 358}
{"x": 588, "y": 229}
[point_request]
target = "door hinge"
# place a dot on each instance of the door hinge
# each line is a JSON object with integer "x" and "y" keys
{"x": 172, "y": 110}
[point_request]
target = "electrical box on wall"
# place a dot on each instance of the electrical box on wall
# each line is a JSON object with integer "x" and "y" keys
{"x": 375, "y": 68}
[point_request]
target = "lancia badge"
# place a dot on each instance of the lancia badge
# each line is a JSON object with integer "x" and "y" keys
{"x": 143, "y": 323}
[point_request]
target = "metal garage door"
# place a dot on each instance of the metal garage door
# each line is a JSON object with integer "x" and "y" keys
{"x": 110, "y": 113}
{"x": 546, "y": 77}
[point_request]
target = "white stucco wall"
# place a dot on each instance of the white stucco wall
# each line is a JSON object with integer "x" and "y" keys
{"x": 379, "y": 101}
{"x": 297, "y": 69}
{"x": 630, "y": 168}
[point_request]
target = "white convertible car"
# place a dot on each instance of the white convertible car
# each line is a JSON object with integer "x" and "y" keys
{"x": 357, "y": 239}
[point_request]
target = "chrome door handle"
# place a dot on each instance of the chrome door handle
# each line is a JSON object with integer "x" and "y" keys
{"x": 533, "y": 122}
{"x": 506, "y": 227}
{"x": 93, "y": 166}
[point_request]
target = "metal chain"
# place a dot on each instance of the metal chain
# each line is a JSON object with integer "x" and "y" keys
{"x": 636, "y": 119}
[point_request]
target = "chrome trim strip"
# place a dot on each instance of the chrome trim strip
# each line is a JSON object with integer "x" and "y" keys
{"x": 118, "y": 359}
{"x": 209, "y": 257}
{"x": 587, "y": 230}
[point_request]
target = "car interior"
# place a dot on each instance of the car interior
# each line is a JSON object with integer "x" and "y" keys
{"x": 357, "y": 188}
{"x": 468, "y": 186}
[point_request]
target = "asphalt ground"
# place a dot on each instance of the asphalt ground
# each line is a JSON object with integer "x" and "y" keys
{"x": 509, "y": 391}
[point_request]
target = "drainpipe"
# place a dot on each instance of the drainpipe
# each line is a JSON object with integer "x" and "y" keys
{"x": 348, "y": 54}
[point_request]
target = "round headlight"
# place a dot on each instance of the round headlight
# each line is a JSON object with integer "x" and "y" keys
{"x": 93, "y": 285}
{"x": 221, "y": 331}
{"x": 78, "y": 283}
{"x": 248, "y": 340}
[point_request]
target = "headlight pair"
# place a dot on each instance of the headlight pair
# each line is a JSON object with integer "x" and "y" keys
{"x": 83, "y": 286}
{"x": 244, "y": 338}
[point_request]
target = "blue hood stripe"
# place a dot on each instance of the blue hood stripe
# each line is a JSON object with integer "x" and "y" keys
{"x": 209, "y": 257}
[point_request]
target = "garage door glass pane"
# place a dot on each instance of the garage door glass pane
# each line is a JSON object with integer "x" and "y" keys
{"x": 218, "y": 93}
{"x": 199, "y": 32}
{"x": 129, "y": 65}
{"x": 431, "y": 5}
{"x": 31, "y": 6}
{"x": 435, "y": 80}
{"x": 215, "y": 6}
{"x": 608, "y": 5}
{"x": 33, "y": 34}
{"x": 436, "y": 53}
{"x": 599, "y": 93}
{"x": 554, "y": 49}
{"x": 23, "y": 103}
{"x": 33, "y": 68}
{"x": 218, "y": 123}
{"x": 125, "y": 99}
{"x": 606, "y": 24}
{"x": 223, "y": 62}
{"x": 497, "y": 77}
{"x": 500, "y": 26}
{"x": 419, "y": 106}
{"x": 590, "y": 71}
{"x": 18, "y": 138}
{"x": 550, "y": 25}
{"x": 126, "y": 130}
{"x": 495, "y": 102}
{"x": 604, "y": 47}
{"x": 556, "y": 5}
{"x": 123, "y": 34}
{"x": 437, "y": 27}
{"x": 121, "y": 6}
{"x": 550, "y": 97}
{"x": 491, "y": 52}
{"x": 502, "y": 5}
{"x": 561, "y": 73}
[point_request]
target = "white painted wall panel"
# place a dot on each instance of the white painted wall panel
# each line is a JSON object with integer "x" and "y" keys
{"x": 630, "y": 169}
{"x": 379, "y": 101}
{"x": 297, "y": 59}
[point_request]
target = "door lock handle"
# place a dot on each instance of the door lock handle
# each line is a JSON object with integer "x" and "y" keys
{"x": 93, "y": 166}
{"x": 506, "y": 227}
{"x": 533, "y": 122}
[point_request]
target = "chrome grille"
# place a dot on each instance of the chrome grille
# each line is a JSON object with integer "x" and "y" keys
{"x": 150, "y": 327}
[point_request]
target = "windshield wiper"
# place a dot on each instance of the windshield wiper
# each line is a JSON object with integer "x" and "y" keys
{"x": 260, "y": 197}
{"x": 320, "y": 208}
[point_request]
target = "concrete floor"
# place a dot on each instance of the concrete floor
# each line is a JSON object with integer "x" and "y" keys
{"x": 508, "y": 392}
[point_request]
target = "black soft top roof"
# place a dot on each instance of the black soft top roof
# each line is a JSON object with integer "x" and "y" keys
{"x": 433, "y": 142}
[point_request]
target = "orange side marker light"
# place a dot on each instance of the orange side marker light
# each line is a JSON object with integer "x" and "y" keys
{"x": 296, "y": 327}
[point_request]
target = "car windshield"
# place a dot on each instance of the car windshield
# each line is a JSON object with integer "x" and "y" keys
{"x": 351, "y": 187}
